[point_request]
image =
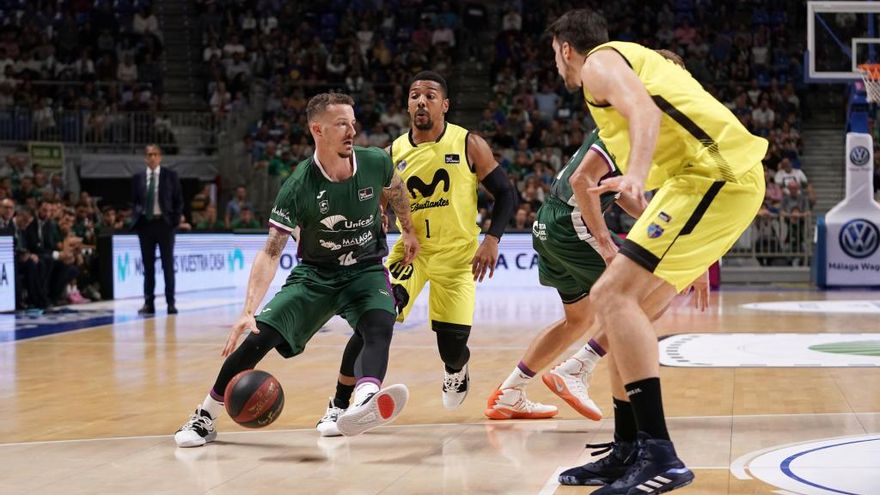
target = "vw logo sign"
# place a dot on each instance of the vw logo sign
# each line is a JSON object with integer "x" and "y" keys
{"x": 859, "y": 238}
{"x": 859, "y": 156}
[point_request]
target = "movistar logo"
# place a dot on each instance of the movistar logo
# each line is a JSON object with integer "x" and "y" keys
{"x": 235, "y": 256}
{"x": 123, "y": 267}
{"x": 415, "y": 184}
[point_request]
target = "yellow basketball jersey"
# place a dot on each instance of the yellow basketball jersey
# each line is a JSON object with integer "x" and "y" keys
{"x": 698, "y": 134}
{"x": 442, "y": 188}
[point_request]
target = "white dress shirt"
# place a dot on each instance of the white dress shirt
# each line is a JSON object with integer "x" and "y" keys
{"x": 156, "y": 210}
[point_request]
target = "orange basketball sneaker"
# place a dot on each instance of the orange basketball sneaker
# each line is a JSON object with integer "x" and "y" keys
{"x": 574, "y": 389}
{"x": 512, "y": 403}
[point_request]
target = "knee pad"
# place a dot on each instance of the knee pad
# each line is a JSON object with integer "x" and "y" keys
{"x": 376, "y": 324}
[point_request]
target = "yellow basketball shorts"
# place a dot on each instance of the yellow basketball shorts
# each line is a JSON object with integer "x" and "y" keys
{"x": 452, "y": 296}
{"x": 691, "y": 223}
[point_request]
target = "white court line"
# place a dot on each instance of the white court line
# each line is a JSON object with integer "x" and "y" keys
{"x": 552, "y": 483}
{"x": 430, "y": 425}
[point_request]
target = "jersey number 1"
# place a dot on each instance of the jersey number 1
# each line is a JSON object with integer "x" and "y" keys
{"x": 347, "y": 259}
{"x": 427, "y": 229}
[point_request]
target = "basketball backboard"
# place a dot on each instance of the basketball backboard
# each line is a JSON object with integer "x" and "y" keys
{"x": 840, "y": 36}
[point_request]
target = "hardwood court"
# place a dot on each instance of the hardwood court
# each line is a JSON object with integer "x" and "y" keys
{"x": 94, "y": 411}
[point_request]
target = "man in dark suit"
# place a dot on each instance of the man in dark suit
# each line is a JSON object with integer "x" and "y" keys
{"x": 7, "y": 216}
{"x": 54, "y": 266}
{"x": 156, "y": 212}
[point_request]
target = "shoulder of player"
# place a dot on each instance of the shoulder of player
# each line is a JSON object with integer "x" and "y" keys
{"x": 370, "y": 153}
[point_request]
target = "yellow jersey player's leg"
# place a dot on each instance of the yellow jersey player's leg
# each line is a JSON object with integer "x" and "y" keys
{"x": 666, "y": 132}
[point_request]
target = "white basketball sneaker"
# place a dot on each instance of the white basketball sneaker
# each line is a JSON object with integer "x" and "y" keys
{"x": 573, "y": 388}
{"x": 197, "y": 431}
{"x": 512, "y": 403}
{"x": 377, "y": 409}
{"x": 455, "y": 388}
{"x": 327, "y": 425}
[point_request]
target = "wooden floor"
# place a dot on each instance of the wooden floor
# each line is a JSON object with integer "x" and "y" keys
{"x": 93, "y": 411}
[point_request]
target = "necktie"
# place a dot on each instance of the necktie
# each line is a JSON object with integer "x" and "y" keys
{"x": 151, "y": 193}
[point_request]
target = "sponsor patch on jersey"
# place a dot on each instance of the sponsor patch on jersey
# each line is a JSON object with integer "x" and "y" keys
{"x": 365, "y": 193}
{"x": 665, "y": 217}
{"x": 324, "y": 205}
{"x": 401, "y": 165}
{"x": 654, "y": 231}
{"x": 453, "y": 158}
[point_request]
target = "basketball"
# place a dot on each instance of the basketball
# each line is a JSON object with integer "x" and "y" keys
{"x": 254, "y": 399}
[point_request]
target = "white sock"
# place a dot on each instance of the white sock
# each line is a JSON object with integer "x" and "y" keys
{"x": 213, "y": 407}
{"x": 363, "y": 390}
{"x": 517, "y": 379}
{"x": 583, "y": 361}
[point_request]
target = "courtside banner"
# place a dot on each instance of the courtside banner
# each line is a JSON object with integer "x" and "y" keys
{"x": 7, "y": 273}
{"x": 201, "y": 262}
{"x": 218, "y": 261}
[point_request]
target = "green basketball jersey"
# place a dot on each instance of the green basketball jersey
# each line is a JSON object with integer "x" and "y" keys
{"x": 561, "y": 188}
{"x": 340, "y": 224}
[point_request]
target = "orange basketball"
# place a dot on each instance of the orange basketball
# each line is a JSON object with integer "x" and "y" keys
{"x": 254, "y": 398}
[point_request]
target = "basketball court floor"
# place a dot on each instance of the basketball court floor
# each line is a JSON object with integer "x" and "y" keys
{"x": 771, "y": 391}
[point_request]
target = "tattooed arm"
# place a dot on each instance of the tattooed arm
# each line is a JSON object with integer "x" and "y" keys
{"x": 396, "y": 196}
{"x": 262, "y": 273}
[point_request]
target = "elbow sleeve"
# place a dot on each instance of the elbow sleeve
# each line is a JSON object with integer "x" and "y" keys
{"x": 498, "y": 185}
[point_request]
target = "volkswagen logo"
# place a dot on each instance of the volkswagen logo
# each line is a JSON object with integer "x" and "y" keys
{"x": 859, "y": 238}
{"x": 859, "y": 156}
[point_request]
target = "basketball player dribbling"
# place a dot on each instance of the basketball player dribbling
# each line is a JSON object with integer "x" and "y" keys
{"x": 667, "y": 133}
{"x": 442, "y": 165}
{"x": 333, "y": 199}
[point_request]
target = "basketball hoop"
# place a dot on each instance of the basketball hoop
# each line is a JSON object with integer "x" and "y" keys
{"x": 871, "y": 75}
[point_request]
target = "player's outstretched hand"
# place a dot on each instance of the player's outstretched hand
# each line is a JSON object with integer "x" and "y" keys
{"x": 410, "y": 247}
{"x": 701, "y": 289}
{"x": 244, "y": 323}
{"x": 625, "y": 184}
{"x": 485, "y": 258}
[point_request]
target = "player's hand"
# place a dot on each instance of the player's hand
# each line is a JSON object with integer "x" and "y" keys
{"x": 485, "y": 258}
{"x": 410, "y": 247}
{"x": 245, "y": 322}
{"x": 624, "y": 184}
{"x": 701, "y": 289}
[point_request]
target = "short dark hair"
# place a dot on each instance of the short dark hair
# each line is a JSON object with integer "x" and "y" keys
{"x": 583, "y": 29}
{"x": 429, "y": 75}
{"x": 318, "y": 104}
{"x": 672, "y": 56}
{"x": 153, "y": 145}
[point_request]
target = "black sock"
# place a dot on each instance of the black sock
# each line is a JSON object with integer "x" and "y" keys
{"x": 624, "y": 421}
{"x": 647, "y": 406}
{"x": 343, "y": 395}
{"x": 452, "y": 344}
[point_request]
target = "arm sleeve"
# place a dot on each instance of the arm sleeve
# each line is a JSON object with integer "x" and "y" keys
{"x": 498, "y": 184}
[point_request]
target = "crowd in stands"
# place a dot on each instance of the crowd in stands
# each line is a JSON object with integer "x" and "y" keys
{"x": 301, "y": 48}
{"x": 94, "y": 58}
{"x": 55, "y": 235}
{"x": 744, "y": 53}
{"x": 68, "y": 67}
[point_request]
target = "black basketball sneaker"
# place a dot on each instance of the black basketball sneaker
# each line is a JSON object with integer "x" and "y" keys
{"x": 607, "y": 469}
{"x": 657, "y": 469}
{"x": 197, "y": 431}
